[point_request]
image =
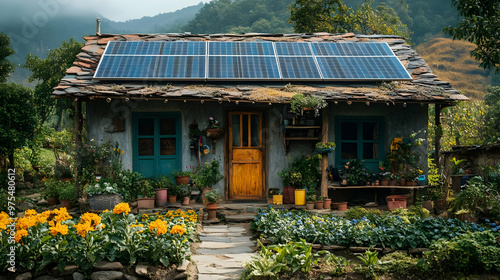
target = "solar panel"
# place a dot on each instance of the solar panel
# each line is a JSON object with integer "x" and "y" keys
{"x": 243, "y": 67}
{"x": 362, "y": 68}
{"x": 262, "y": 60}
{"x": 296, "y": 68}
{"x": 240, "y": 48}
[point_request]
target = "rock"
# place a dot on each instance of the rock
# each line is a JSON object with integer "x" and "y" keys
{"x": 334, "y": 247}
{"x": 182, "y": 275}
{"x": 78, "y": 276}
{"x": 26, "y": 205}
{"x": 141, "y": 270}
{"x": 133, "y": 204}
{"x": 24, "y": 276}
{"x": 106, "y": 275}
{"x": 42, "y": 202}
{"x": 47, "y": 277}
{"x": 131, "y": 277}
{"x": 68, "y": 270}
{"x": 104, "y": 265}
{"x": 184, "y": 266}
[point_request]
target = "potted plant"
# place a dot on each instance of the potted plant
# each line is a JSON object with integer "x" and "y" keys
{"x": 300, "y": 192}
{"x": 173, "y": 192}
{"x": 145, "y": 200}
{"x": 207, "y": 176}
{"x": 51, "y": 191}
{"x": 194, "y": 132}
{"x": 213, "y": 131}
{"x": 182, "y": 177}
{"x": 310, "y": 199}
{"x": 342, "y": 206}
{"x": 67, "y": 194}
{"x": 272, "y": 191}
{"x": 324, "y": 148}
{"x": 327, "y": 203}
{"x": 383, "y": 176}
{"x": 161, "y": 186}
{"x": 185, "y": 194}
{"x": 301, "y": 102}
{"x": 288, "y": 190}
{"x": 318, "y": 204}
{"x": 103, "y": 194}
{"x": 212, "y": 197}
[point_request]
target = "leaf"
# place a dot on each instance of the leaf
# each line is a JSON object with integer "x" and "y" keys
{"x": 165, "y": 261}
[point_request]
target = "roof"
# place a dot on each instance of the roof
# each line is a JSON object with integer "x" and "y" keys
{"x": 424, "y": 88}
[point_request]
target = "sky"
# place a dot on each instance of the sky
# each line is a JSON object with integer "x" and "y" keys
{"x": 116, "y": 10}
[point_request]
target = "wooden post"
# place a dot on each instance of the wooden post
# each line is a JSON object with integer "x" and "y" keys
{"x": 324, "y": 162}
{"x": 78, "y": 142}
{"x": 439, "y": 134}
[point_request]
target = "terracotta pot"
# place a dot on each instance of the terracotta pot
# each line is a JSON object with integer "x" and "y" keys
{"x": 309, "y": 205}
{"x": 185, "y": 201}
{"x": 288, "y": 195}
{"x": 66, "y": 203}
{"x": 409, "y": 183}
{"x": 203, "y": 193}
{"x": 161, "y": 197}
{"x": 52, "y": 201}
{"x": 318, "y": 204}
{"x": 327, "y": 203}
{"x": 342, "y": 206}
{"x": 212, "y": 211}
{"x": 182, "y": 180}
{"x": 393, "y": 182}
{"x": 402, "y": 182}
{"x": 145, "y": 203}
{"x": 172, "y": 199}
{"x": 384, "y": 182}
{"x": 335, "y": 205}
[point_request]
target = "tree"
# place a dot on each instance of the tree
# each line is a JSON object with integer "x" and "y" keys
{"x": 17, "y": 118}
{"x": 479, "y": 25}
{"x": 491, "y": 131}
{"x": 336, "y": 17}
{"x": 49, "y": 72}
{"x": 6, "y": 67}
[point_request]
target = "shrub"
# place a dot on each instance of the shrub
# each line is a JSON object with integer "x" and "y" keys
{"x": 480, "y": 199}
{"x": 397, "y": 262}
{"x": 356, "y": 212}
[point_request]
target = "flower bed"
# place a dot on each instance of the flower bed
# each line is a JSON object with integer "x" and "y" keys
{"x": 54, "y": 238}
{"x": 283, "y": 226}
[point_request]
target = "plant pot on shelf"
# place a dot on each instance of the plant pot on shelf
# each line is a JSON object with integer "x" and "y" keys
{"x": 327, "y": 203}
{"x": 288, "y": 195}
{"x": 384, "y": 182}
{"x": 300, "y": 197}
{"x": 278, "y": 199}
{"x": 214, "y": 133}
{"x": 146, "y": 203}
{"x": 402, "y": 182}
{"x": 409, "y": 183}
{"x": 393, "y": 182}
{"x": 172, "y": 199}
{"x": 182, "y": 180}
{"x": 161, "y": 197}
{"x": 318, "y": 204}
{"x": 309, "y": 205}
{"x": 185, "y": 201}
{"x": 66, "y": 203}
{"x": 342, "y": 206}
{"x": 212, "y": 211}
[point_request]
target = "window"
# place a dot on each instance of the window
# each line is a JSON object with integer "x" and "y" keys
{"x": 360, "y": 138}
{"x": 156, "y": 143}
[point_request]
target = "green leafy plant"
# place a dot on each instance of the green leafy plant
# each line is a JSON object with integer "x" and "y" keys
{"x": 305, "y": 172}
{"x": 174, "y": 189}
{"x": 67, "y": 191}
{"x": 180, "y": 173}
{"x": 300, "y": 101}
{"x": 336, "y": 264}
{"x": 369, "y": 260}
{"x": 194, "y": 131}
{"x": 212, "y": 196}
{"x": 397, "y": 262}
{"x": 263, "y": 265}
{"x": 455, "y": 165}
{"x": 103, "y": 186}
{"x": 208, "y": 175}
{"x": 356, "y": 212}
{"x": 51, "y": 188}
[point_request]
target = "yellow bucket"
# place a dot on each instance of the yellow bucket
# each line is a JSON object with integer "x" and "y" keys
{"x": 300, "y": 197}
{"x": 277, "y": 199}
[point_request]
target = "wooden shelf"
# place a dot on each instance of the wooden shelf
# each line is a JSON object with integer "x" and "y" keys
{"x": 302, "y": 138}
{"x": 375, "y": 187}
{"x": 302, "y": 126}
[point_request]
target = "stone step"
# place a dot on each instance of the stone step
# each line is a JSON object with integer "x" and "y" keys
{"x": 243, "y": 218}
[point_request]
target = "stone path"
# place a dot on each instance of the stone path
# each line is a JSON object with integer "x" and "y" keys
{"x": 222, "y": 252}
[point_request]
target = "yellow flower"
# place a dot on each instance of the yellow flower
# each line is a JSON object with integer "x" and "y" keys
{"x": 61, "y": 214}
{"x": 83, "y": 228}
{"x": 4, "y": 220}
{"x": 160, "y": 226}
{"x": 138, "y": 225}
{"x": 30, "y": 212}
{"x": 121, "y": 208}
{"x": 178, "y": 229}
{"x": 59, "y": 228}
{"x": 105, "y": 211}
{"x": 19, "y": 234}
{"x": 92, "y": 219}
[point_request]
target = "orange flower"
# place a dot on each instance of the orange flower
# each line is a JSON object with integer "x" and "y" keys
{"x": 4, "y": 220}
{"x": 30, "y": 212}
{"x": 160, "y": 226}
{"x": 59, "y": 228}
{"x": 121, "y": 208}
{"x": 19, "y": 234}
{"x": 83, "y": 228}
{"x": 178, "y": 229}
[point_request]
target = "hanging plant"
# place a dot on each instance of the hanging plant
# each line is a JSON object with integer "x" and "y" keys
{"x": 301, "y": 101}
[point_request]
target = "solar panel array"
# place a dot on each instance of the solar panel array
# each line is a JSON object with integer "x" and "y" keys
{"x": 269, "y": 61}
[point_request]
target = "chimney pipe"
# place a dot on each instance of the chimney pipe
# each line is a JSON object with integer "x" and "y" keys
{"x": 98, "y": 27}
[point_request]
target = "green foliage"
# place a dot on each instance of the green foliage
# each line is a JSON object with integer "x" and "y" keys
{"x": 302, "y": 172}
{"x": 479, "y": 25}
{"x": 67, "y": 191}
{"x": 103, "y": 186}
{"x": 132, "y": 185}
{"x": 51, "y": 188}
{"x": 208, "y": 174}
{"x": 455, "y": 165}
{"x": 212, "y": 196}
{"x": 334, "y": 16}
{"x": 300, "y": 101}
{"x": 369, "y": 260}
{"x": 49, "y": 72}
{"x": 6, "y": 67}
{"x": 397, "y": 262}
{"x": 356, "y": 212}
{"x": 481, "y": 199}
{"x": 17, "y": 117}
{"x": 180, "y": 173}
{"x": 263, "y": 265}
{"x": 335, "y": 264}
{"x": 491, "y": 125}
{"x": 467, "y": 254}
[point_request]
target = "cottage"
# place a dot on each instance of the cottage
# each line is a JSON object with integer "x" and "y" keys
{"x": 146, "y": 94}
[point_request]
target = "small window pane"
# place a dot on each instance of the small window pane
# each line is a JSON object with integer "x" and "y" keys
{"x": 370, "y": 150}
{"x": 146, "y": 126}
{"x": 349, "y": 131}
{"x": 370, "y": 131}
{"x": 146, "y": 147}
{"x": 167, "y": 126}
{"x": 236, "y": 131}
{"x": 245, "y": 131}
{"x": 167, "y": 146}
{"x": 349, "y": 150}
{"x": 255, "y": 130}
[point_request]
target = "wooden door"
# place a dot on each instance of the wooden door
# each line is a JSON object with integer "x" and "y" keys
{"x": 245, "y": 156}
